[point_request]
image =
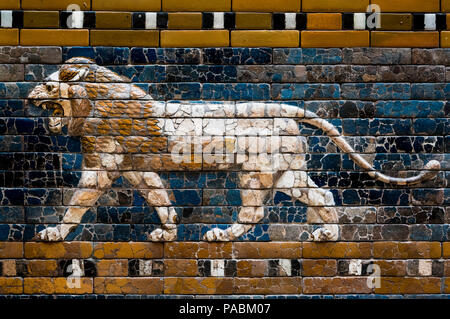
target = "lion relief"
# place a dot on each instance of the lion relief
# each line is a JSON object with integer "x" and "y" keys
{"x": 124, "y": 132}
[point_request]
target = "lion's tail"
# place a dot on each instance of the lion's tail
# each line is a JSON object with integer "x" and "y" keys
{"x": 429, "y": 171}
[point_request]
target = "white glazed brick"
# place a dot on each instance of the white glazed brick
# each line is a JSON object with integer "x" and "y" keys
{"x": 219, "y": 20}
{"x": 150, "y": 20}
{"x": 430, "y": 21}
{"x": 359, "y": 21}
{"x": 290, "y": 21}
{"x": 7, "y": 19}
{"x": 218, "y": 268}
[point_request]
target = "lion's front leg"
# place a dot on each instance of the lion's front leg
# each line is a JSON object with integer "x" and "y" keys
{"x": 91, "y": 186}
{"x": 152, "y": 189}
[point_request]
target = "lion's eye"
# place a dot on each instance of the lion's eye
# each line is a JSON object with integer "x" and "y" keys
{"x": 49, "y": 87}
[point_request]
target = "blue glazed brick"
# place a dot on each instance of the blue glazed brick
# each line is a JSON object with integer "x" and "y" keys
{"x": 376, "y": 127}
{"x": 70, "y": 179}
{"x": 305, "y": 91}
{"x": 11, "y": 143}
{"x": 175, "y": 91}
{"x": 219, "y": 197}
{"x": 257, "y": 233}
{"x": 189, "y": 232}
{"x": 12, "y": 179}
{"x": 165, "y": 56}
{"x": 376, "y": 91}
{"x": 16, "y": 90}
{"x": 431, "y": 91}
{"x": 237, "y": 56}
{"x": 235, "y": 92}
{"x": 12, "y": 232}
{"x": 12, "y": 197}
{"x": 293, "y": 214}
{"x": 12, "y": 108}
{"x": 430, "y": 126}
{"x": 201, "y": 73}
{"x": 141, "y": 232}
{"x": 430, "y": 232}
{"x": 422, "y": 196}
{"x": 12, "y": 214}
{"x": 72, "y": 161}
{"x": 43, "y": 179}
{"x": 409, "y": 109}
{"x": 43, "y": 143}
{"x": 307, "y": 56}
{"x": 208, "y": 215}
{"x": 131, "y": 215}
{"x": 188, "y": 197}
{"x": 44, "y": 215}
{"x": 324, "y": 162}
{"x": 142, "y": 73}
{"x": 40, "y": 196}
{"x": 39, "y": 72}
{"x": 101, "y": 55}
{"x": 179, "y": 180}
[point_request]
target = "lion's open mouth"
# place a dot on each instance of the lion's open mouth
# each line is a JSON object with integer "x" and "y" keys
{"x": 50, "y": 105}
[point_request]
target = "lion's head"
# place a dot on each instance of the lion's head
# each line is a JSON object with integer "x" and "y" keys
{"x": 71, "y": 93}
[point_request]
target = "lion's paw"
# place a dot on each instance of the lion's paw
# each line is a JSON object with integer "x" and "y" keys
{"x": 166, "y": 233}
{"x": 216, "y": 234}
{"x": 49, "y": 234}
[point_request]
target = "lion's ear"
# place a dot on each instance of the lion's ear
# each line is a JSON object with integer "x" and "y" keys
{"x": 73, "y": 73}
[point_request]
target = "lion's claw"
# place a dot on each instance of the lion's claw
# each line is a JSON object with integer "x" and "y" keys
{"x": 166, "y": 233}
{"x": 49, "y": 234}
{"x": 216, "y": 234}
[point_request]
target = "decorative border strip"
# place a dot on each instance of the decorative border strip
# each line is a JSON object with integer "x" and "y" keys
{"x": 221, "y": 20}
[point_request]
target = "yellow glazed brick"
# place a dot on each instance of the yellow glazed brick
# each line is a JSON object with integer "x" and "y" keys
{"x": 403, "y": 285}
{"x": 11, "y": 286}
{"x": 143, "y": 38}
{"x": 408, "y": 5}
{"x": 334, "y": 39}
{"x": 445, "y": 6}
{"x": 448, "y": 21}
{"x": 55, "y": 5}
{"x": 249, "y": 20}
{"x": 195, "y": 5}
{"x": 406, "y": 250}
{"x": 41, "y": 19}
{"x": 58, "y": 285}
{"x": 120, "y": 5}
{"x": 202, "y": 250}
{"x": 267, "y": 5}
{"x": 54, "y": 37}
{"x": 9, "y": 268}
{"x": 446, "y": 250}
{"x": 447, "y": 285}
{"x": 260, "y": 38}
{"x": 10, "y": 4}
{"x": 196, "y": 38}
{"x": 337, "y": 250}
{"x": 112, "y": 268}
{"x": 324, "y": 21}
{"x": 413, "y": 39}
{"x": 11, "y": 250}
{"x": 67, "y": 250}
{"x": 144, "y": 286}
{"x": 9, "y": 37}
{"x": 265, "y": 250}
{"x": 200, "y": 286}
{"x": 396, "y": 21}
{"x": 185, "y": 20}
{"x": 335, "y": 5}
{"x": 445, "y": 39}
{"x": 128, "y": 250}
{"x": 113, "y": 20}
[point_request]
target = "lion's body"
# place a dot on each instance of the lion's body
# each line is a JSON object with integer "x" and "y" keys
{"x": 125, "y": 133}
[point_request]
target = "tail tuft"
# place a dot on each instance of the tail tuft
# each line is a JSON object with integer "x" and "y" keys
{"x": 433, "y": 165}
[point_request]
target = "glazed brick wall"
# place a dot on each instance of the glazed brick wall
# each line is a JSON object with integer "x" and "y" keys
{"x": 390, "y": 103}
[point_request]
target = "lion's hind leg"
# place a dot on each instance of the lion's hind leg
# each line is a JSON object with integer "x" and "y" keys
{"x": 152, "y": 189}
